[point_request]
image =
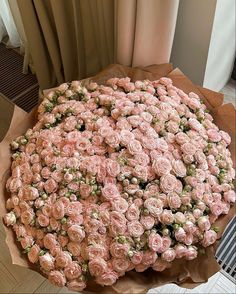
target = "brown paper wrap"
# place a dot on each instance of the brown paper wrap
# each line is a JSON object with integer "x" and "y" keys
{"x": 188, "y": 274}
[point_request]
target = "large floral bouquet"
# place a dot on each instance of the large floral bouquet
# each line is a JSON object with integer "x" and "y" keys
{"x": 118, "y": 178}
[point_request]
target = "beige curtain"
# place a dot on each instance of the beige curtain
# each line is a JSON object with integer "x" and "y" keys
{"x": 145, "y": 31}
{"x": 73, "y": 39}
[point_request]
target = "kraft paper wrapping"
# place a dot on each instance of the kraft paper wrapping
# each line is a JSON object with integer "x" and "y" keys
{"x": 188, "y": 274}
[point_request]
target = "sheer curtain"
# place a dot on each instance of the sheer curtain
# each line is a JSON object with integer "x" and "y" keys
{"x": 7, "y": 25}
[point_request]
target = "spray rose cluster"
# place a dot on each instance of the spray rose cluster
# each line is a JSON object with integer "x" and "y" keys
{"x": 116, "y": 178}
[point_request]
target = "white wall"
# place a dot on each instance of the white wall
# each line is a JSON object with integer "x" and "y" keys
{"x": 192, "y": 37}
{"x": 222, "y": 48}
{"x": 204, "y": 42}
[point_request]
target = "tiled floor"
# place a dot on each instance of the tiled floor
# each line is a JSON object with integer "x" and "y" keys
{"x": 15, "y": 279}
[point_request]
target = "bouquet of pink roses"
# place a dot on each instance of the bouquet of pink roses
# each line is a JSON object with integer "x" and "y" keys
{"x": 118, "y": 178}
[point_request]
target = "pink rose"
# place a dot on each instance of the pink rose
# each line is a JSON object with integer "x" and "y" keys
{"x": 161, "y": 166}
{"x": 134, "y": 146}
{"x": 138, "y": 202}
{"x": 216, "y": 208}
{"x": 50, "y": 186}
{"x": 49, "y": 241}
{"x": 141, "y": 172}
{"x": 180, "y": 250}
{"x": 33, "y": 254}
{"x": 74, "y": 248}
{"x": 137, "y": 257}
{"x": 142, "y": 158}
{"x": 181, "y": 138}
{"x": 120, "y": 205}
{"x": 154, "y": 206}
{"x": 174, "y": 200}
{"x": 191, "y": 253}
{"x": 214, "y": 135}
{"x": 147, "y": 221}
{"x": 169, "y": 255}
{"x": 135, "y": 229}
{"x": 141, "y": 267}
{"x": 58, "y": 210}
{"x": 96, "y": 250}
{"x": 167, "y": 217}
{"x": 168, "y": 183}
{"x": 76, "y": 285}
{"x": 194, "y": 124}
{"x": 154, "y": 242}
{"x": 161, "y": 145}
{"x": 180, "y": 234}
{"x": 113, "y": 168}
{"x": 160, "y": 265}
{"x": 194, "y": 103}
{"x": 230, "y": 196}
{"x": 30, "y": 193}
{"x": 126, "y": 137}
{"x": 132, "y": 213}
{"x": 209, "y": 238}
{"x": 204, "y": 223}
{"x": 117, "y": 229}
{"x": 74, "y": 208}
{"x": 46, "y": 172}
{"x": 120, "y": 265}
{"x": 189, "y": 226}
{"x": 197, "y": 213}
{"x": 14, "y": 184}
{"x": 27, "y": 241}
{"x": 172, "y": 127}
{"x": 135, "y": 120}
{"x": 72, "y": 270}
{"x": 166, "y": 243}
{"x": 149, "y": 257}
{"x": 118, "y": 250}
{"x": 46, "y": 262}
{"x": 57, "y": 278}
{"x": 110, "y": 192}
{"x": 97, "y": 267}
{"x": 225, "y": 137}
{"x": 76, "y": 233}
{"x": 43, "y": 220}
{"x": 10, "y": 219}
{"x": 113, "y": 139}
{"x": 179, "y": 168}
{"x": 85, "y": 190}
{"x": 108, "y": 278}
{"x": 188, "y": 240}
{"x": 62, "y": 259}
{"x": 225, "y": 208}
{"x": 188, "y": 149}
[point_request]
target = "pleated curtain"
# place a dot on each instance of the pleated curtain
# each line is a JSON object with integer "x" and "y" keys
{"x": 74, "y": 39}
